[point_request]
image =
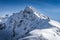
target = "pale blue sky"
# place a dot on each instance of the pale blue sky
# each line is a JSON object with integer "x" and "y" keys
{"x": 50, "y": 8}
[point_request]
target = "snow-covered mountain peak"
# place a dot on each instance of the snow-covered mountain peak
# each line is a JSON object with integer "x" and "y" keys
{"x": 33, "y": 11}
{"x": 23, "y": 24}
{"x": 29, "y": 8}
{"x": 26, "y": 21}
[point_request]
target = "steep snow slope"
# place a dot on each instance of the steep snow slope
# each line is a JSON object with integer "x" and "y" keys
{"x": 55, "y": 23}
{"x": 29, "y": 24}
{"x": 52, "y": 33}
{"x": 44, "y": 34}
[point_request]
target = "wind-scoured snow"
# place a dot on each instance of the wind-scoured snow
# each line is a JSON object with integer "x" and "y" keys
{"x": 29, "y": 24}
